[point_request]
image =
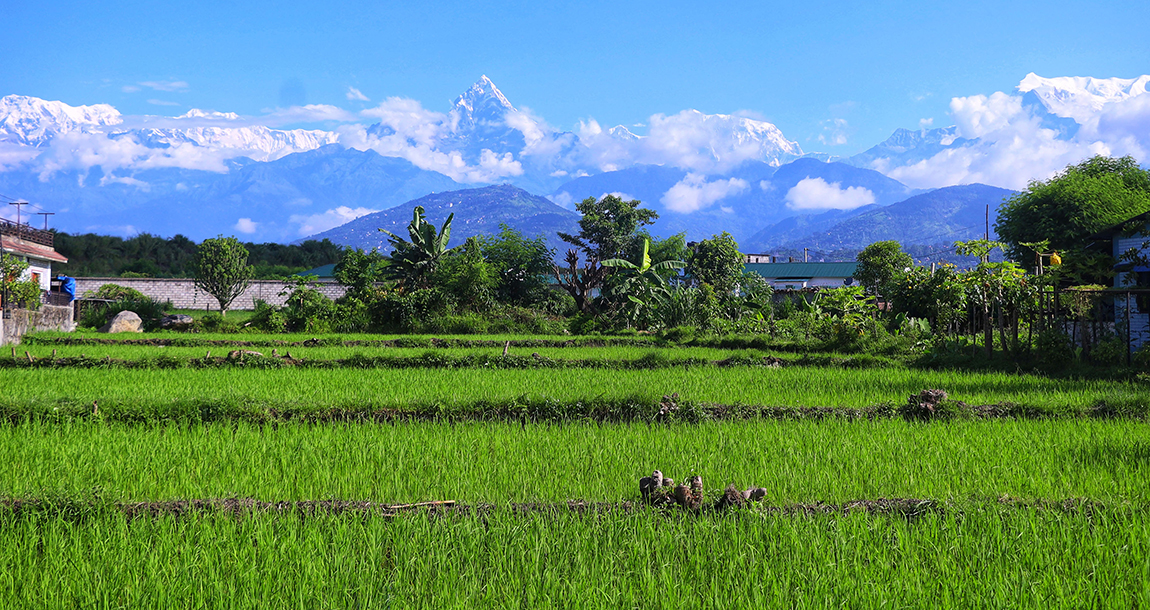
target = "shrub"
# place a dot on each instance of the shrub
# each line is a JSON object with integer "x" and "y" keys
{"x": 1053, "y": 348}
{"x": 268, "y": 318}
{"x": 1141, "y": 358}
{"x": 1110, "y": 351}
{"x": 149, "y": 310}
{"x": 115, "y": 292}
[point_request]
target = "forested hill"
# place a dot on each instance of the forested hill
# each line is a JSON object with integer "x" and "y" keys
{"x": 91, "y": 255}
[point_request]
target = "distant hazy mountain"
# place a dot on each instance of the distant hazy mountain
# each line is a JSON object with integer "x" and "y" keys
{"x": 744, "y": 200}
{"x": 941, "y": 216}
{"x": 905, "y": 147}
{"x": 273, "y": 201}
{"x": 477, "y": 212}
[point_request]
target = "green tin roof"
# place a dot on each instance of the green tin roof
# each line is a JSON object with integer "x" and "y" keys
{"x": 323, "y": 271}
{"x": 802, "y": 270}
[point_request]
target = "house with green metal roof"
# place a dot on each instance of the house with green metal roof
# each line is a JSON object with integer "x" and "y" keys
{"x": 795, "y": 276}
{"x": 323, "y": 272}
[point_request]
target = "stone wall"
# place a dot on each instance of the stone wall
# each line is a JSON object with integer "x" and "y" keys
{"x": 21, "y": 321}
{"x": 183, "y": 293}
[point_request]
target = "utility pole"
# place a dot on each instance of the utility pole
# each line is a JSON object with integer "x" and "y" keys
{"x": 987, "y": 222}
{"x": 805, "y": 254}
{"x": 18, "y": 204}
{"x": 46, "y": 215}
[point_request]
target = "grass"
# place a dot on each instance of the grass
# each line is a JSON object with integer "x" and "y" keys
{"x": 832, "y": 461}
{"x": 198, "y": 393}
{"x": 1001, "y": 533}
{"x": 1015, "y": 559}
{"x": 139, "y": 352}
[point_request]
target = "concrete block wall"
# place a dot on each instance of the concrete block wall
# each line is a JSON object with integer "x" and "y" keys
{"x": 183, "y": 293}
{"x": 22, "y": 321}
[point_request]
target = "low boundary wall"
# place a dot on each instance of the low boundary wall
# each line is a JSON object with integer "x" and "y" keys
{"x": 21, "y": 321}
{"x": 183, "y": 294}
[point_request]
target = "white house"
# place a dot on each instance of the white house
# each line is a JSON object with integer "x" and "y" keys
{"x": 32, "y": 246}
{"x": 795, "y": 276}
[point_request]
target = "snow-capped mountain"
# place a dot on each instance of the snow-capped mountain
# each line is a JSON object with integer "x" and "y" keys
{"x": 32, "y": 121}
{"x": 256, "y": 142}
{"x": 1078, "y": 97}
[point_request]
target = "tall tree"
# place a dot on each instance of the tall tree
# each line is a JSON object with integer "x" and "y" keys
{"x": 521, "y": 264}
{"x": 718, "y": 262}
{"x": 222, "y": 269}
{"x": 1067, "y": 209}
{"x": 608, "y": 228}
{"x": 879, "y": 262}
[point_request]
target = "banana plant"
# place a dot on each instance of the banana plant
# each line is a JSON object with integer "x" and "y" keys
{"x": 412, "y": 262}
{"x": 643, "y": 285}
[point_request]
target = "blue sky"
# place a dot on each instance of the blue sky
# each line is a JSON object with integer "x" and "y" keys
{"x": 872, "y": 66}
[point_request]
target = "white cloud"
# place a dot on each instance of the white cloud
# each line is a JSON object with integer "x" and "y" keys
{"x": 693, "y": 192}
{"x": 1014, "y": 147}
{"x": 690, "y": 140}
{"x": 129, "y": 88}
{"x": 979, "y": 115}
{"x": 245, "y": 225}
{"x": 311, "y": 113}
{"x": 165, "y": 85}
{"x": 817, "y": 194}
{"x": 409, "y": 131}
{"x": 128, "y": 180}
{"x": 81, "y": 151}
{"x": 925, "y": 123}
{"x": 318, "y": 223}
{"x": 834, "y": 132}
{"x": 356, "y": 95}
{"x": 562, "y": 199}
{"x": 13, "y": 155}
{"x": 156, "y": 102}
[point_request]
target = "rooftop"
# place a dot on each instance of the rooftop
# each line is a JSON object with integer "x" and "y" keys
{"x": 26, "y": 233}
{"x": 802, "y": 270}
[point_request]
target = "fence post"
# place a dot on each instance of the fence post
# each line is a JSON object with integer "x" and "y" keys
{"x": 1129, "y": 354}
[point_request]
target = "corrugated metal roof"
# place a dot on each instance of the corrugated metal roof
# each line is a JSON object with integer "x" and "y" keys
{"x": 323, "y": 271}
{"x": 802, "y": 270}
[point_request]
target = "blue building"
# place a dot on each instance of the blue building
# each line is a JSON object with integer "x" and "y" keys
{"x": 1130, "y": 245}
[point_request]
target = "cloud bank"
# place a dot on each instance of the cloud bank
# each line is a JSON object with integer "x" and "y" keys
{"x": 694, "y": 193}
{"x": 816, "y": 194}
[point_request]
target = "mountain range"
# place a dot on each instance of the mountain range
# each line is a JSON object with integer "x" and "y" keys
{"x": 204, "y": 172}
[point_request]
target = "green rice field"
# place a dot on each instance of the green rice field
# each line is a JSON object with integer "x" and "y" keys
{"x": 229, "y": 487}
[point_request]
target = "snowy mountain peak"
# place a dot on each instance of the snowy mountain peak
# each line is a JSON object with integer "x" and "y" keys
{"x": 1080, "y": 97}
{"x": 620, "y": 132}
{"x": 483, "y": 102}
{"x": 33, "y": 121}
{"x": 196, "y": 113}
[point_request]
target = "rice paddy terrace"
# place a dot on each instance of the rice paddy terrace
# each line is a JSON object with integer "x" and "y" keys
{"x": 373, "y": 471}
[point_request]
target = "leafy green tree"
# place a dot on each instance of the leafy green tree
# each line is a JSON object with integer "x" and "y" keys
{"x": 1066, "y": 210}
{"x": 222, "y": 269}
{"x": 467, "y": 277}
{"x": 521, "y": 264}
{"x": 609, "y": 226}
{"x": 608, "y": 229}
{"x": 718, "y": 262}
{"x": 14, "y": 288}
{"x": 413, "y": 262}
{"x": 878, "y": 263}
{"x": 359, "y": 270}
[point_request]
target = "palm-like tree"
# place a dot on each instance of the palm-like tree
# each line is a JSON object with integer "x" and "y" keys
{"x": 412, "y": 262}
{"x": 643, "y": 285}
